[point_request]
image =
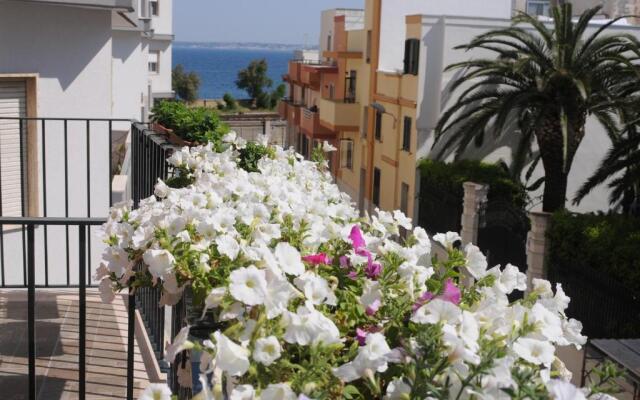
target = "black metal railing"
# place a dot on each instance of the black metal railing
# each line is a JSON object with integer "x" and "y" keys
{"x": 29, "y": 248}
{"x": 55, "y": 179}
{"x": 606, "y": 307}
{"x": 64, "y": 167}
{"x": 149, "y": 153}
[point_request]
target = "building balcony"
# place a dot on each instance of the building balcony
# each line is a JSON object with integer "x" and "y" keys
{"x": 310, "y": 125}
{"x": 334, "y": 55}
{"x": 310, "y": 76}
{"x": 338, "y": 115}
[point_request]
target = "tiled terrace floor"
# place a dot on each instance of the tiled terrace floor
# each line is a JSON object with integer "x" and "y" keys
{"x": 57, "y": 346}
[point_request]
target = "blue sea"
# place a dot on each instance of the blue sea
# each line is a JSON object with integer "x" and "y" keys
{"x": 218, "y": 68}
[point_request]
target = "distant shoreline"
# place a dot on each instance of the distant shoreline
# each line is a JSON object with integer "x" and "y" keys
{"x": 242, "y": 46}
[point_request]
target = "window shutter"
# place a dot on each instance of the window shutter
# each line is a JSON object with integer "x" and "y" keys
{"x": 413, "y": 57}
{"x": 406, "y": 134}
{"x": 12, "y": 104}
{"x": 407, "y": 56}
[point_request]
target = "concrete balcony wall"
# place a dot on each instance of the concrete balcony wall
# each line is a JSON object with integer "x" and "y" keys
{"x": 294, "y": 71}
{"x": 310, "y": 76}
{"x": 283, "y": 109}
{"x": 293, "y": 114}
{"x": 310, "y": 124}
{"x": 337, "y": 115}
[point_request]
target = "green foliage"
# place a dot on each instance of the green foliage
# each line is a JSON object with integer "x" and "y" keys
{"x": 185, "y": 84}
{"x": 620, "y": 170}
{"x": 276, "y": 95}
{"x": 200, "y": 125}
{"x": 254, "y": 80}
{"x": 542, "y": 83}
{"x": 607, "y": 243}
{"x": 230, "y": 102}
{"x": 449, "y": 177}
{"x": 251, "y": 154}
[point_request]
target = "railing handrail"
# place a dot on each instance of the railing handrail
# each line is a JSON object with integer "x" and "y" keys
{"x": 86, "y": 221}
{"x": 71, "y": 119}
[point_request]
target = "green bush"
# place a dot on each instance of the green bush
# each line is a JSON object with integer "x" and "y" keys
{"x": 199, "y": 124}
{"x": 230, "y": 102}
{"x": 450, "y": 177}
{"x": 604, "y": 242}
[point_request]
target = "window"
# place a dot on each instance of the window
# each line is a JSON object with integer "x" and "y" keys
{"x": 368, "y": 53}
{"x": 365, "y": 122}
{"x": 406, "y": 134}
{"x": 350, "y": 87}
{"x": 376, "y": 187}
{"x": 154, "y": 64}
{"x": 346, "y": 154}
{"x": 538, "y": 7}
{"x": 378, "y": 127}
{"x": 332, "y": 91}
{"x": 329, "y": 42}
{"x": 404, "y": 198}
{"x": 411, "y": 56}
{"x": 155, "y": 7}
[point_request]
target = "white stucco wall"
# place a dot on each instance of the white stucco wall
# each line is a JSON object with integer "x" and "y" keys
{"x": 161, "y": 82}
{"x": 440, "y": 35}
{"x": 129, "y": 74}
{"x": 163, "y": 23}
{"x": 73, "y": 63}
{"x": 392, "y": 21}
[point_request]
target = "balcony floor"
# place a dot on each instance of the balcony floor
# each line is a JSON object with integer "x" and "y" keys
{"x": 57, "y": 346}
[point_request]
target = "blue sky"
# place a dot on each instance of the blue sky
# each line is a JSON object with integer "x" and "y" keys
{"x": 267, "y": 21}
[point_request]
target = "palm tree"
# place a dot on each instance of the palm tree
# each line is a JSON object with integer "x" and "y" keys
{"x": 621, "y": 169}
{"x": 547, "y": 79}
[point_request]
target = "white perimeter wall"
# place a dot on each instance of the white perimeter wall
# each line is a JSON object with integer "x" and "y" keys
{"x": 393, "y": 26}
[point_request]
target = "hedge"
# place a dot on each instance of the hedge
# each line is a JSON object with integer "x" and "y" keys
{"x": 451, "y": 176}
{"x": 609, "y": 243}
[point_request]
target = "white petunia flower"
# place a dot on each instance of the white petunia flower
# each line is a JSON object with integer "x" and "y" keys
{"x": 535, "y": 351}
{"x": 228, "y": 246}
{"x": 160, "y": 262}
{"x": 230, "y": 357}
{"x": 436, "y": 311}
{"x": 476, "y": 261}
{"x": 447, "y": 239}
{"x": 562, "y": 390}
{"x": 289, "y": 259}
{"x": 373, "y": 356}
{"x": 243, "y": 392}
{"x": 397, "y": 389}
{"x": 156, "y": 391}
{"x": 266, "y": 350}
{"x": 248, "y": 285}
{"x": 180, "y": 343}
{"x": 278, "y": 391}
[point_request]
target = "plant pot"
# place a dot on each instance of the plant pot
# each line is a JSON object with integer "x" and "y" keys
{"x": 171, "y": 136}
{"x": 201, "y": 327}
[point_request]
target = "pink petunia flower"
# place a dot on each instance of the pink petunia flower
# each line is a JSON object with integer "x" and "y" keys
{"x": 317, "y": 259}
{"x": 451, "y": 292}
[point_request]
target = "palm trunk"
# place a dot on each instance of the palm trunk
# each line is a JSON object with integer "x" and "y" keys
{"x": 556, "y": 167}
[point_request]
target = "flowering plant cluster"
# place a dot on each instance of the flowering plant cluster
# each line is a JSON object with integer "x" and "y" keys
{"x": 314, "y": 301}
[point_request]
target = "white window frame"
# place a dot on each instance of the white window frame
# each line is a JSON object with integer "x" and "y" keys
{"x": 156, "y": 62}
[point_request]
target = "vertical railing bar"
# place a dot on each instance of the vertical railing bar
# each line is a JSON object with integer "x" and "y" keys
{"x": 31, "y": 311}
{"x": 44, "y": 205}
{"x": 89, "y": 199}
{"x": 83, "y": 311}
{"x": 131, "y": 308}
{"x": 110, "y": 163}
{"x": 66, "y": 194}
{"x": 22, "y": 201}
{"x": 1, "y": 230}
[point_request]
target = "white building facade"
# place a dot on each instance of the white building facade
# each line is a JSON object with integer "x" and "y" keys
{"x": 83, "y": 59}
